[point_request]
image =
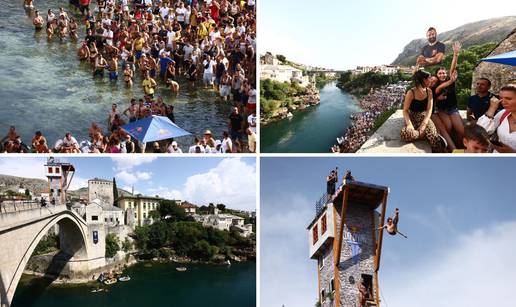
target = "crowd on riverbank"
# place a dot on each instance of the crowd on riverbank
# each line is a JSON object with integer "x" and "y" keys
{"x": 157, "y": 44}
{"x": 374, "y": 104}
{"x": 118, "y": 140}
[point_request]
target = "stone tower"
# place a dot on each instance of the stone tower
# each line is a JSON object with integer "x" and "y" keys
{"x": 59, "y": 177}
{"x": 345, "y": 242}
{"x": 101, "y": 189}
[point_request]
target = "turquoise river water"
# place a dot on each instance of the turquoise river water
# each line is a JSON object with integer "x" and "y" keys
{"x": 44, "y": 87}
{"x": 313, "y": 130}
{"x": 157, "y": 285}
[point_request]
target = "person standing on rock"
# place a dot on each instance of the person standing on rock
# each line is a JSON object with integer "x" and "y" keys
{"x": 433, "y": 52}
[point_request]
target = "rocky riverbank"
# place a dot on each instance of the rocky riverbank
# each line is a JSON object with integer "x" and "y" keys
{"x": 301, "y": 102}
{"x": 51, "y": 265}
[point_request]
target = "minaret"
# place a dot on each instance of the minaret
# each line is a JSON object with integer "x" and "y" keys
{"x": 59, "y": 178}
{"x": 345, "y": 241}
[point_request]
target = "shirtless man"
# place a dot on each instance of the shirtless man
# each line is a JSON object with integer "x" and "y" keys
{"x": 28, "y": 4}
{"x": 62, "y": 26}
{"x": 174, "y": 86}
{"x": 84, "y": 52}
{"x": 392, "y": 225}
{"x": 113, "y": 68}
{"x": 132, "y": 110}
{"x": 100, "y": 64}
{"x": 73, "y": 29}
{"x": 38, "y": 21}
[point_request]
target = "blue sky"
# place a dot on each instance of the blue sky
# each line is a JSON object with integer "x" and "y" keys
{"x": 343, "y": 34}
{"x": 198, "y": 180}
{"x": 459, "y": 214}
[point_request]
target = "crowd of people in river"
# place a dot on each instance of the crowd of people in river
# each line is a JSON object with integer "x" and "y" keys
{"x": 374, "y": 104}
{"x": 162, "y": 44}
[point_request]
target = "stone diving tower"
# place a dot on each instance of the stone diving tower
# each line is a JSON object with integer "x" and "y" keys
{"x": 344, "y": 240}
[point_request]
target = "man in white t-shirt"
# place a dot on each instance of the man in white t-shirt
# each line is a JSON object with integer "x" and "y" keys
{"x": 70, "y": 144}
{"x": 108, "y": 36}
{"x": 208, "y": 66}
{"x": 170, "y": 37}
{"x": 181, "y": 13}
{"x": 197, "y": 147}
{"x": 227, "y": 144}
{"x": 163, "y": 11}
{"x": 173, "y": 148}
{"x": 251, "y": 120}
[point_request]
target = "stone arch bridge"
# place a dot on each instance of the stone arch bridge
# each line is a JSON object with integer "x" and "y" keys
{"x": 23, "y": 225}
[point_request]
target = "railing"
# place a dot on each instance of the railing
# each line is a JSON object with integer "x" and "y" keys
{"x": 10, "y": 206}
{"x": 319, "y": 205}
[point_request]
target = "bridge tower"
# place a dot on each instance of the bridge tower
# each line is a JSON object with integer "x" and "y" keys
{"x": 345, "y": 241}
{"x": 59, "y": 176}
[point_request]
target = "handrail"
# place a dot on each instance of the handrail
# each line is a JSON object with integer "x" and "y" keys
{"x": 17, "y": 206}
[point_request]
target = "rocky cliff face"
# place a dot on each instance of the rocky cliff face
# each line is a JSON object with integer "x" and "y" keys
{"x": 476, "y": 33}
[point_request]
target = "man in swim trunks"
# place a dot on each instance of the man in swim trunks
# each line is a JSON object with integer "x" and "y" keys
{"x": 100, "y": 64}
{"x": 113, "y": 68}
{"x": 392, "y": 224}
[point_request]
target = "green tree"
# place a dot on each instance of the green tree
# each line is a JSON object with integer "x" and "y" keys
{"x": 112, "y": 245}
{"x": 203, "y": 250}
{"x": 169, "y": 210}
{"x": 141, "y": 235}
{"x": 127, "y": 245}
{"x": 27, "y": 193}
{"x": 48, "y": 243}
{"x": 115, "y": 193}
{"x": 158, "y": 234}
{"x": 221, "y": 207}
{"x": 281, "y": 58}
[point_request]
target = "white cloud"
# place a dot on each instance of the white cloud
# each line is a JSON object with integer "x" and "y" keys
{"x": 165, "y": 192}
{"x": 29, "y": 168}
{"x": 284, "y": 253}
{"x": 128, "y": 162}
{"x": 130, "y": 189}
{"x": 232, "y": 182}
{"x": 133, "y": 177}
{"x": 473, "y": 271}
{"x": 77, "y": 183}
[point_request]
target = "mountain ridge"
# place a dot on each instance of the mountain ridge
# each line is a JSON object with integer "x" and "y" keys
{"x": 473, "y": 33}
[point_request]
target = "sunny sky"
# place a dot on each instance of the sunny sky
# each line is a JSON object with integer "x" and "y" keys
{"x": 459, "y": 214}
{"x": 343, "y": 34}
{"x": 198, "y": 180}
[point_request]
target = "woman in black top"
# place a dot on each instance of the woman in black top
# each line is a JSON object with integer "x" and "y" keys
{"x": 446, "y": 98}
{"x": 417, "y": 109}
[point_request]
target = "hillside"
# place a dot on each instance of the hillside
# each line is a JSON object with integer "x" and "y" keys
{"x": 476, "y": 33}
{"x": 13, "y": 183}
{"x": 36, "y": 186}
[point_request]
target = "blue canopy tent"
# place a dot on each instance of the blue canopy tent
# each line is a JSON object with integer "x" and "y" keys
{"x": 154, "y": 128}
{"x": 508, "y": 58}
